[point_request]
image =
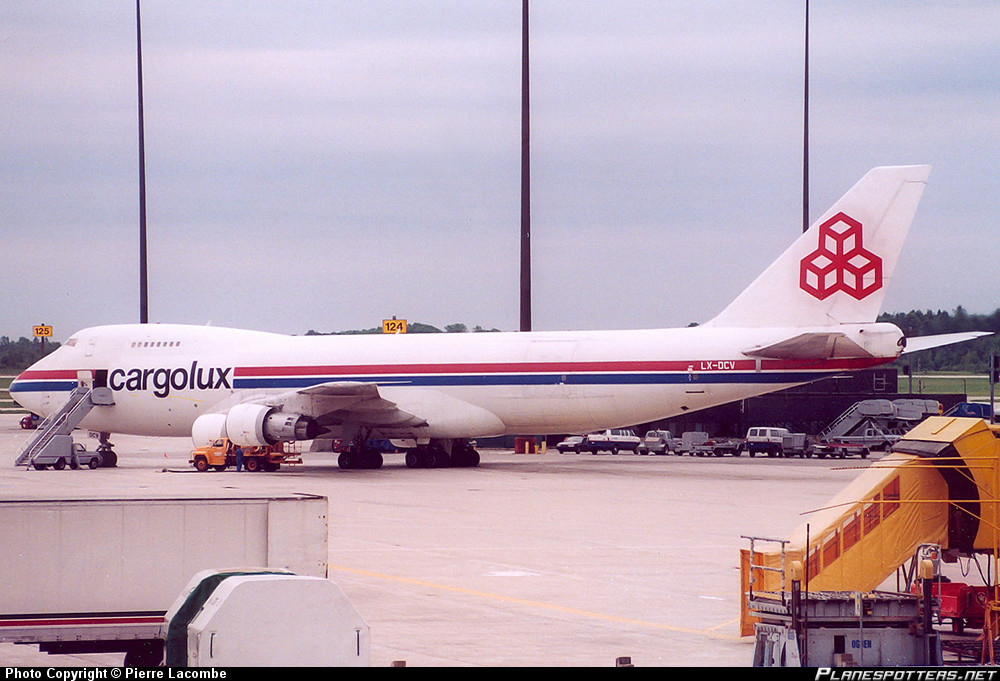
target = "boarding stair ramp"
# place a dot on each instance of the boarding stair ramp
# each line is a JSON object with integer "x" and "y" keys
{"x": 52, "y": 432}
{"x": 886, "y": 414}
{"x": 855, "y": 415}
{"x": 940, "y": 484}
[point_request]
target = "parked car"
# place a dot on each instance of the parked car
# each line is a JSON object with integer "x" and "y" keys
{"x": 570, "y": 444}
{"x": 613, "y": 440}
{"x": 657, "y": 442}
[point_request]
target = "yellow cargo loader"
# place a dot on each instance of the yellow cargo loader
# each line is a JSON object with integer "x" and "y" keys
{"x": 939, "y": 485}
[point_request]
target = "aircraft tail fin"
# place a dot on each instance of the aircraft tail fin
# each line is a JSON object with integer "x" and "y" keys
{"x": 838, "y": 270}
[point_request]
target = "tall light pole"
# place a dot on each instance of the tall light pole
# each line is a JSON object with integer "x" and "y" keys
{"x": 525, "y": 179}
{"x": 805, "y": 134}
{"x": 143, "y": 299}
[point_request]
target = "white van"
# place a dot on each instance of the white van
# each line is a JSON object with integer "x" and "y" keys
{"x": 765, "y": 440}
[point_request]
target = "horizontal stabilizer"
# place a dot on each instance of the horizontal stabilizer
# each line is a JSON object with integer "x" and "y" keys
{"x": 812, "y": 346}
{"x": 918, "y": 343}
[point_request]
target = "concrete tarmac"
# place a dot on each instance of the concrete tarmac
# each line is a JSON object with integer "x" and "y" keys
{"x": 527, "y": 560}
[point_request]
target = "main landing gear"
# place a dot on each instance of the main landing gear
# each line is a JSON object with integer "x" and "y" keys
{"x": 360, "y": 456}
{"x": 435, "y": 454}
{"x": 108, "y": 457}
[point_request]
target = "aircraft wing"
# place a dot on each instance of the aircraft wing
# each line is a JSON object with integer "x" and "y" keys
{"x": 334, "y": 403}
{"x": 402, "y": 411}
{"x": 918, "y": 343}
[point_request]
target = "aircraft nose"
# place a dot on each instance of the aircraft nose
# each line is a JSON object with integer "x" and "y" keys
{"x": 15, "y": 387}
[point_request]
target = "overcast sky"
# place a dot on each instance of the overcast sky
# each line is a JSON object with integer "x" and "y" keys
{"x": 324, "y": 165}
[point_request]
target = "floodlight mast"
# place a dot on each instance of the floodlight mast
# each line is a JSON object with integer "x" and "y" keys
{"x": 525, "y": 179}
{"x": 143, "y": 298}
{"x": 805, "y": 133}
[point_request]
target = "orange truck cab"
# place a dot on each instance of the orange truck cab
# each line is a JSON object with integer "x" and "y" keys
{"x": 221, "y": 454}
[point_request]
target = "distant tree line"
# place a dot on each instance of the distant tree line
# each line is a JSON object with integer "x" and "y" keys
{"x": 411, "y": 327}
{"x": 969, "y": 357}
{"x": 16, "y": 356}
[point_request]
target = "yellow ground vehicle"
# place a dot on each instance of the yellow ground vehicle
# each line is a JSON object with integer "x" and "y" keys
{"x": 221, "y": 454}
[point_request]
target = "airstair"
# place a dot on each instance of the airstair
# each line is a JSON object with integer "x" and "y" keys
{"x": 855, "y": 415}
{"x": 884, "y": 414}
{"x": 52, "y": 442}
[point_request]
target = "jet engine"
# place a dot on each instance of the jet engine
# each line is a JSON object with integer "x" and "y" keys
{"x": 252, "y": 425}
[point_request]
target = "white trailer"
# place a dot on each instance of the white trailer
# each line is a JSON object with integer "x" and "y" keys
{"x": 98, "y": 575}
{"x": 691, "y": 442}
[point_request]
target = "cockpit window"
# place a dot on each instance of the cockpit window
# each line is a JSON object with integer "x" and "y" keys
{"x": 71, "y": 342}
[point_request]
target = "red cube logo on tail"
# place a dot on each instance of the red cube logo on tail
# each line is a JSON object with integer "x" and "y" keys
{"x": 840, "y": 263}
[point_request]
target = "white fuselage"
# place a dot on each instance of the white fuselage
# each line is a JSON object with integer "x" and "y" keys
{"x": 164, "y": 376}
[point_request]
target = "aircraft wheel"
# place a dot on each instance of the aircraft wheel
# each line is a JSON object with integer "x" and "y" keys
{"x": 412, "y": 459}
{"x": 437, "y": 458}
{"x": 466, "y": 457}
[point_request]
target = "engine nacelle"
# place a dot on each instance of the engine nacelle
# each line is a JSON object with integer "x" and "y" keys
{"x": 208, "y": 428}
{"x": 245, "y": 424}
{"x": 251, "y": 425}
{"x": 283, "y": 427}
